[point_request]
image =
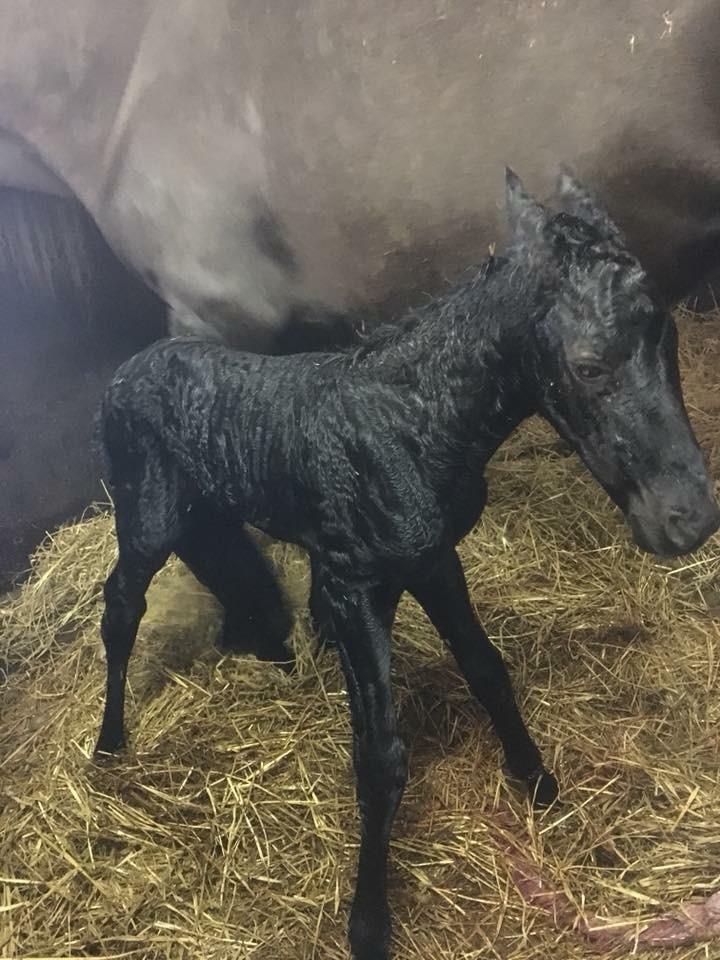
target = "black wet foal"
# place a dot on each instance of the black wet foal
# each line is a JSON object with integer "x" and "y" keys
{"x": 373, "y": 461}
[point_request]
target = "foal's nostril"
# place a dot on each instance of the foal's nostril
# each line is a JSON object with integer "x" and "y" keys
{"x": 687, "y": 528}
{"x": 679, "y": 525}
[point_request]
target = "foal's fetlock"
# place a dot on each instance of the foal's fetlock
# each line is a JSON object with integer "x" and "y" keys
{"x": 369, "y": 934}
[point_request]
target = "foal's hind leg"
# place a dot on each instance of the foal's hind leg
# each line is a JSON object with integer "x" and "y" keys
{"x": 146, "y": 511}
{"x": 224, "y": 558}
{"x": 361, "y": 622}
{"x": 124, "y": 608}
{"x": 444, "y": 597}
{"x": 320, "y": 627}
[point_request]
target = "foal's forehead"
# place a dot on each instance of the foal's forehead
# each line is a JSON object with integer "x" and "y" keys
{"x": 611, "y": 306}
{"x": 613, "y": 282}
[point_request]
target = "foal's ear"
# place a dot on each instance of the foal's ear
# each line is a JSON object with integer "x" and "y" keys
{"x": 580, "y": 202}
{"x": 526, "y": 216}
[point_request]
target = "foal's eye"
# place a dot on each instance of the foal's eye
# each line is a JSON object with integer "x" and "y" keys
{"x": 590, "y": 372}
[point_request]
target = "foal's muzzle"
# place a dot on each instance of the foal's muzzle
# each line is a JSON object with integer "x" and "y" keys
{"x": 673, "y": 519}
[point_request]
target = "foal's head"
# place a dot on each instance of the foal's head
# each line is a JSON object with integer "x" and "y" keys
{"x": 604, "y": 361}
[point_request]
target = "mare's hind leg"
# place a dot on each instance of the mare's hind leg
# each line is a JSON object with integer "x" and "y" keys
{"x": 224, "y": 558}
{"x": 146, "y": 520}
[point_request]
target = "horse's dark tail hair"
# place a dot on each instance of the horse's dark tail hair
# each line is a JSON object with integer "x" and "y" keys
{"x": 55, "y": 266}
{"x": 45, "y": 248}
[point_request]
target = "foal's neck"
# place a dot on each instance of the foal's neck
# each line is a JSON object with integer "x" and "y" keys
{"x": 465, "y": 358}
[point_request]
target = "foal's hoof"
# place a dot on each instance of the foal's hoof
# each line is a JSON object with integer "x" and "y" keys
{"x": 239, "y": 636}
{"x": 543, "y": 789}
{"x": 232, "y": 644}
{"x": 270, "y": 647}
{"x": 325, "y": 641}
{"x": 280, "y": 657}
{"x": 284, "y": 660}
{"x": 264, "y": 637}
{"x": 107, "y": 748}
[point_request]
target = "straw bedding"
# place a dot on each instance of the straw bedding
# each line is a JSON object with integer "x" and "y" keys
{"x": 229, "y": 829}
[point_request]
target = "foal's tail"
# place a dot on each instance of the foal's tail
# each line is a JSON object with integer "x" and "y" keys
{"x": 102, "y": 445}
{"x": 113, "y": 440}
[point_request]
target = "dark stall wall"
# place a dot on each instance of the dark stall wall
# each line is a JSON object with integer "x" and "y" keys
{"x": 69, "y": 314}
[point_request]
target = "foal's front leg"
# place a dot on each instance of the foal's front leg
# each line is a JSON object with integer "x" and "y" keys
{"x": 444, "y": 597}
{"x": 360, "y": 622}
